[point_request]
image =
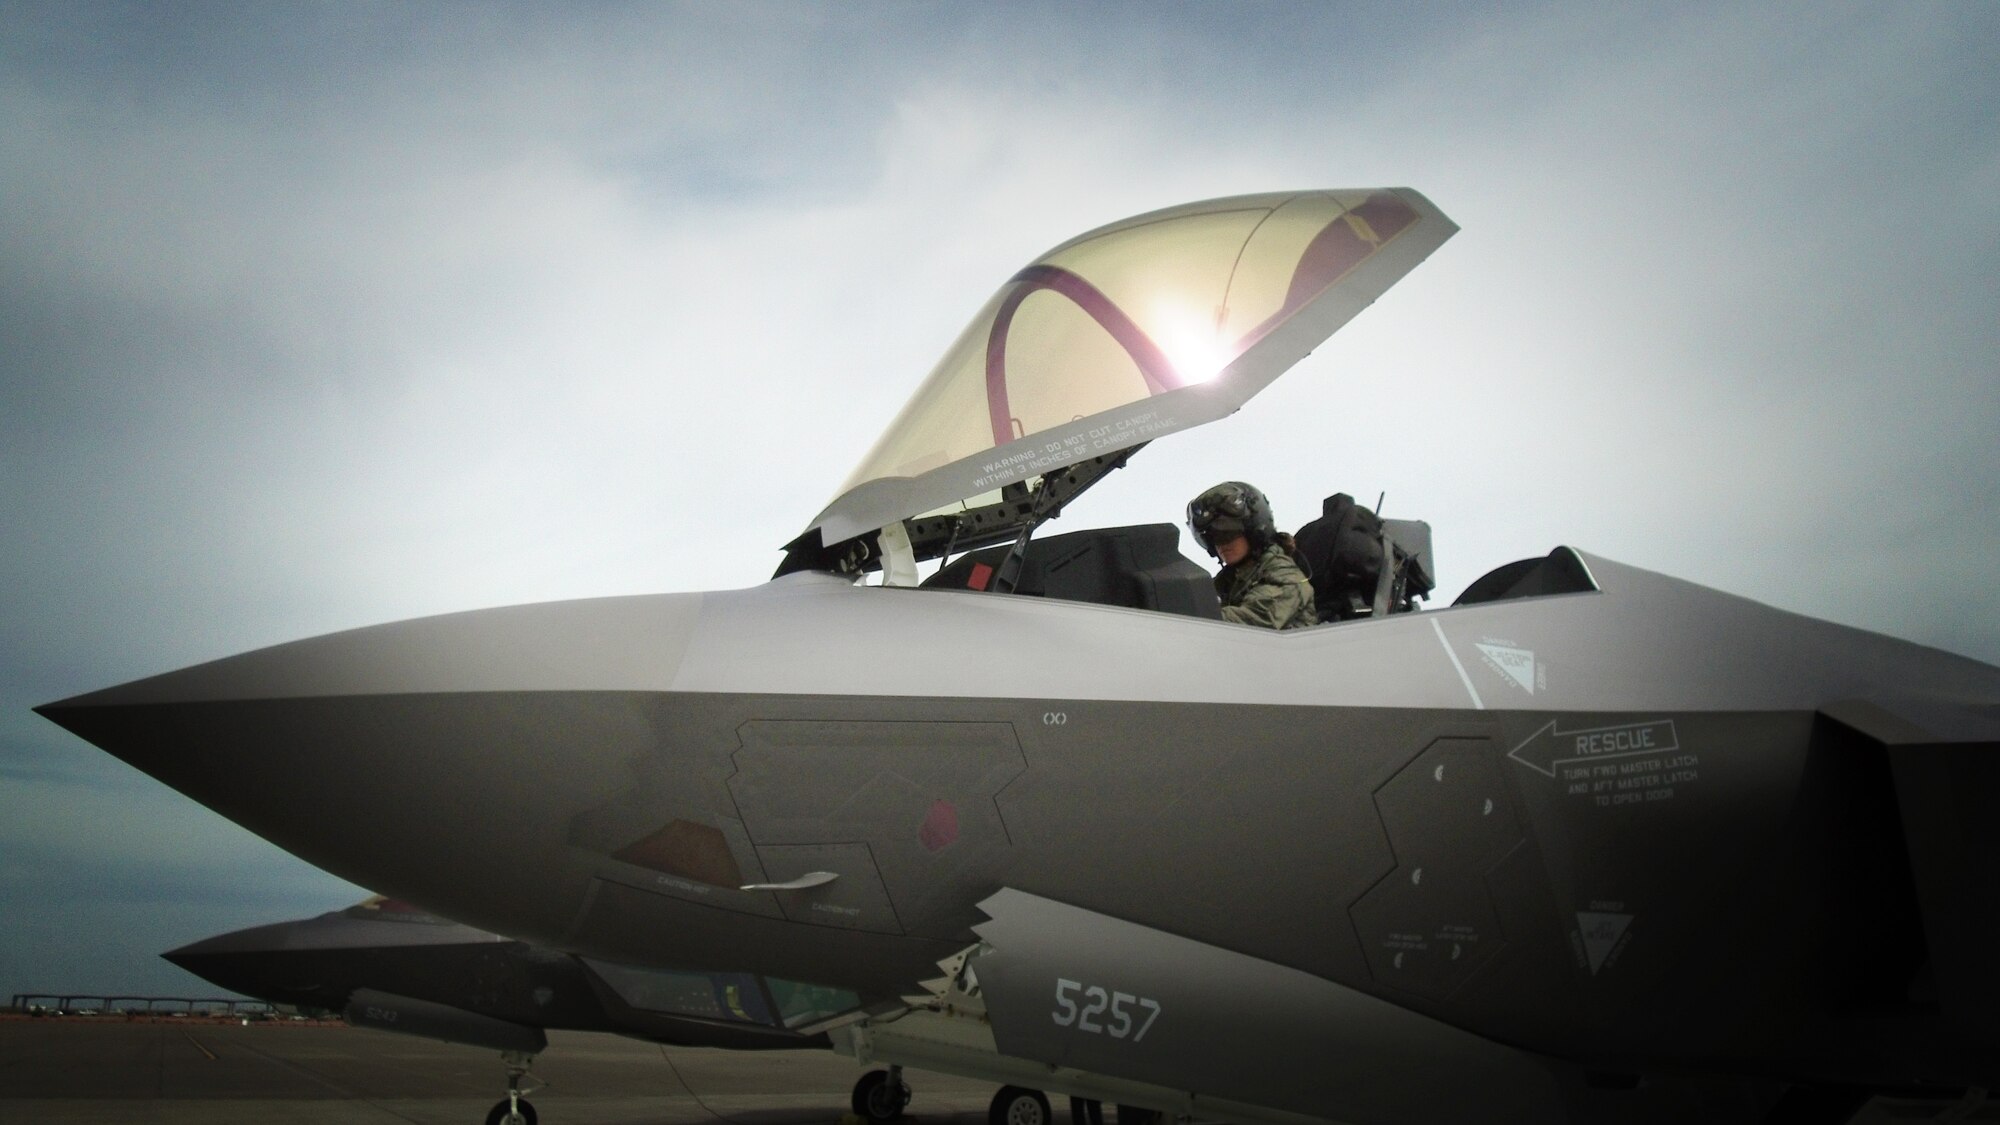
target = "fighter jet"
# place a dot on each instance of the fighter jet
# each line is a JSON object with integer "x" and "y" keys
{"x": 389, "y": 965}
{"x": 1593, "y": 844}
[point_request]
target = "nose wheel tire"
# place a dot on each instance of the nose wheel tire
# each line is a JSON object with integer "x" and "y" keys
{"x": 1018, "y": 1105}
{"x": 880, "y": 1095}
{"x": 519, "y": 1112}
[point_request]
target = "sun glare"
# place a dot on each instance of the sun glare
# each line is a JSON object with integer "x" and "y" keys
{"x": 1192, "y": 343}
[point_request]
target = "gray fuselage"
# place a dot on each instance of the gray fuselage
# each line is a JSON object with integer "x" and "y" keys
{"x": 1609, "y": 826}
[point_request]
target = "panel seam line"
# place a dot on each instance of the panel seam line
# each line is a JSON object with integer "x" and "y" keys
{"x": 1477, "y": 703}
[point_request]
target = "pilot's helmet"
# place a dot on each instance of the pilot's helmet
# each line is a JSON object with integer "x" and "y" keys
{"x": 1230, "y": 509}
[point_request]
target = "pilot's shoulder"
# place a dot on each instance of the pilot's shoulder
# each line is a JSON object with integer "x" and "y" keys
{"x": 1277, "y": 566}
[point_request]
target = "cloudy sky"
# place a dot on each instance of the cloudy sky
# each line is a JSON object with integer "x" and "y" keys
{"x": 318, "y": 316}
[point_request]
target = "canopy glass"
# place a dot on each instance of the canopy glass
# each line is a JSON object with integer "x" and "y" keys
{"x": 1131, "y": 331}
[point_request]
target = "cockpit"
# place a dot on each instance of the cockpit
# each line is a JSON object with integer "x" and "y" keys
{"x": 1104, "y": 344}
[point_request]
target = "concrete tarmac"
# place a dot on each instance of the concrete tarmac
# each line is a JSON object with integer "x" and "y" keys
{"x": 83, "y": 1071}
{"x": 107, "y": 1071}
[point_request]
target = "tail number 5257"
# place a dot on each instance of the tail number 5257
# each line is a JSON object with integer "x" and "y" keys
{"x": 1102, "y": 1012}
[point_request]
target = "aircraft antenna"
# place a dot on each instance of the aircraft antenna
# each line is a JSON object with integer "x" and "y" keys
{"x": 1390, "y": 576}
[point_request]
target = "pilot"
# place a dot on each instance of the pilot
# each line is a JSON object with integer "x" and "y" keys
{"x": 1262, "y": 581}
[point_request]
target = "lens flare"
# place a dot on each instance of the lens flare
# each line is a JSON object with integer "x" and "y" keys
{"x": 1192, "y": 341}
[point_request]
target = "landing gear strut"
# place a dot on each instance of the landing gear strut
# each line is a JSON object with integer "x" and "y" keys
{"x": 1090, "y": 1111}
{"x": 880, "y": 1095}
{"x": 514, "y": 1108}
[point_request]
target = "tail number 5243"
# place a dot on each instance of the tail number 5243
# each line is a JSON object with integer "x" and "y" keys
{"x": 1102, "y": 1012}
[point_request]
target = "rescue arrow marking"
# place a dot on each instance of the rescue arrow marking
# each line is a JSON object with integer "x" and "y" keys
{"x": 1591, "y": 744}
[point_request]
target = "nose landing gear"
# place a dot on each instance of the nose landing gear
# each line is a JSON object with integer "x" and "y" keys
{"x": 514, "y": 1108}
{"x": 880, "y": 1095}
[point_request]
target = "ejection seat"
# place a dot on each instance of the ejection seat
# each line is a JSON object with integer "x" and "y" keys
{"x": 1363, "y": 565}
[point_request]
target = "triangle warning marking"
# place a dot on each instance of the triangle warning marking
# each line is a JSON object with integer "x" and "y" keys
{"x": 1518, "y": 664}
{"x": 1600, "y": 934}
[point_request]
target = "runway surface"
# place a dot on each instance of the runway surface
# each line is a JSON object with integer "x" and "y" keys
{"x": 82, "y": 1071}
{"x": 92, "y": 1070}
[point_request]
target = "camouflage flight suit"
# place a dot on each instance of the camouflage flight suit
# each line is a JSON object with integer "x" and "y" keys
{"x": 1272, "y": 592}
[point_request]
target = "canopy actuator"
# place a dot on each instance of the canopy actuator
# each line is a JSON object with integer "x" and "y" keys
{"x": 1021, "y": 507}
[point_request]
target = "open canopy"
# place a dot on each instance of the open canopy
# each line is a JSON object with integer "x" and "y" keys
{"x": 1134, "y": 330}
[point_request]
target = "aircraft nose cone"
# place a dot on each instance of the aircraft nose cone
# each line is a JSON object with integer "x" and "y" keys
{"x": 236, "y": 941}
{"x": 210, "y": 965}
{"x": 257, "y": 962}
{"x": 230, "y": 960}
{"x": 182, "y": 959}
{"x": 418, "y": 757}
